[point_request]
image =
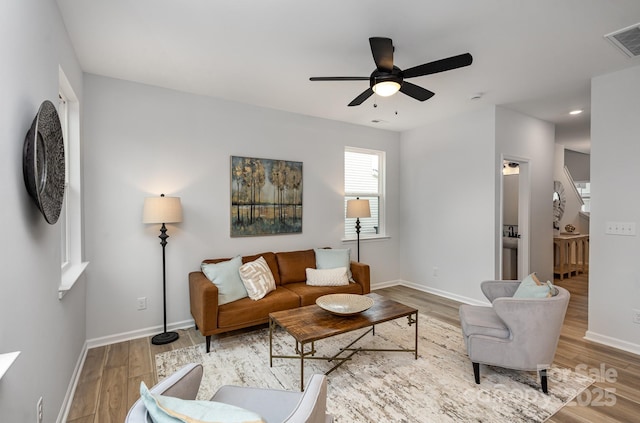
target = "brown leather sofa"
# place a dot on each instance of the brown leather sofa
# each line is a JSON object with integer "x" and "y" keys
{"x": 289, "y": 272}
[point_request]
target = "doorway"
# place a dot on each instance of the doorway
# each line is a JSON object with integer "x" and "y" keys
{"x": 514, "y": 226}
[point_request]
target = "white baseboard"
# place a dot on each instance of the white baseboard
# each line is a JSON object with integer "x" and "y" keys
{"x": 429, "y": 290}
{"x": 139, "y": 333}
{"x": 612, "y": 342}
{"x": 73, "y": 384}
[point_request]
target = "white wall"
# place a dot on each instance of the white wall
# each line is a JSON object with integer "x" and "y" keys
{"x": 144, "y": 141}
{"x": 526, "y": 138}
{"x": 614, "y": 269}
{"x": 578, "y": 164}
{"x": 448, "y": 205}
{"x": 49, "y": 332}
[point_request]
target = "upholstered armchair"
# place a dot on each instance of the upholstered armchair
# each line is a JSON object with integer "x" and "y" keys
{"x": 515, "y": 333}
{"x": 274, "y": 405}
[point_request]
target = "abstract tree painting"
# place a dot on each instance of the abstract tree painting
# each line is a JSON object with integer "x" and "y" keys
{"x": 266, "y": 196}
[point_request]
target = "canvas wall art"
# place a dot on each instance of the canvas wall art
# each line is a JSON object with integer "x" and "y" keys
{"x": 266, "y": 197}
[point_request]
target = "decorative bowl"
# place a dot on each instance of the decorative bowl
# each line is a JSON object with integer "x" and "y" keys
{"x": 344, "y": 304}
{"x": 569, "y": 228}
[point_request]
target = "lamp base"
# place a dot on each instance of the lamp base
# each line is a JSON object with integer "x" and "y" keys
{"x": 164, "y": 338}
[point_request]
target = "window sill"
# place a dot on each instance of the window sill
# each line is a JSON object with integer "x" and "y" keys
{"x": 367, "y": 238}
{"x": 6, "y": 360}
{"x": 70, "y": 276}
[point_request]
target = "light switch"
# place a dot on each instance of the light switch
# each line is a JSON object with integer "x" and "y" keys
{"x": 620, "y": 228}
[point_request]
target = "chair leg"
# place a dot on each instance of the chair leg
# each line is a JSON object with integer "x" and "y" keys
{"x": 476, "y": 372}
{"x": 208, "y": 343}
{"x": 543, "y": 380}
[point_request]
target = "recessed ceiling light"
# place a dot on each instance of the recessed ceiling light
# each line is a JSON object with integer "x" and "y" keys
{"x": 575, "y": 112}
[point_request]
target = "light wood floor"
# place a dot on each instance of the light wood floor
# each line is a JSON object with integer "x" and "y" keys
{"x": 110, "y": 379}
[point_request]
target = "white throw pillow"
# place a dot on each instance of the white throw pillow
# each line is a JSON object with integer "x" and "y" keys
{"x": 330, "y": 258}
{"x": 327, "y": 277}
{"x": 226, "y": 277}
{"x": 257, "y": 278}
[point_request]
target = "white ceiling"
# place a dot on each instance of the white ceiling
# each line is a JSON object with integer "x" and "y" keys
{"x": 536, "y": 57}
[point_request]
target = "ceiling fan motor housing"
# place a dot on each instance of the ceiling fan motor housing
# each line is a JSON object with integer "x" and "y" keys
{"x": 378, "y": 76}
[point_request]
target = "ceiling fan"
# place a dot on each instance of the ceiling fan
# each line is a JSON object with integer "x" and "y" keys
{"x": 388, "y": 79}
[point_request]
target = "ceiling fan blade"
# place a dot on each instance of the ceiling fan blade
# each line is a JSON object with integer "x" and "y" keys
{"x": 339, "y": 78}
{"x": 362, "y": 97}
{"x": 382, "y": 50}
{"x": 419, "y": 93}
{"x": 441, "y": 65}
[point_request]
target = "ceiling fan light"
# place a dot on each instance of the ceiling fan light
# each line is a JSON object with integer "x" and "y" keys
{"x": 386, "y": 88}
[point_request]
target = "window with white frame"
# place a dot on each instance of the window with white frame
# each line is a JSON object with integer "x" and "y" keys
{"x": 64, "y": 224}
{"x": 364, "y": 179}
{"x": 71, "y": 260}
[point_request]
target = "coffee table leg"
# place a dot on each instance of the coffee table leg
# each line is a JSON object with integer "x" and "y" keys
{"x": 301, "y": 367}
{"x": 270, "y": 342}
{"x": 416, "y": 336}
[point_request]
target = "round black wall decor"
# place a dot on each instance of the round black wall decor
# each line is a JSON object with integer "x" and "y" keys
{"x": 43, "y": 162}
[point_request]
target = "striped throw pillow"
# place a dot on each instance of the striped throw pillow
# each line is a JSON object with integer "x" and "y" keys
{"x": 257, "y": 278}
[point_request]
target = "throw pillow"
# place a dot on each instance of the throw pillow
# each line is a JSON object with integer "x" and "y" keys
{"x": 327, "y": 277}
{"x": 257, "y": 278}
{"x": 531, "y": 287}
{"x": 165, "y": 409}
{"x": 330, "y": 258}
{"x": 226, "y": 276}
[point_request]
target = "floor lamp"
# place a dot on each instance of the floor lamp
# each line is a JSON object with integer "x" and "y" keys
{"x": 163, "y": 210}
{"x": 358, "y": 208}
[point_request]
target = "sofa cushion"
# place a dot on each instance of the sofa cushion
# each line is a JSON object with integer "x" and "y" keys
{"x": 330, "y": 258}
{"x": 257, "y": 278}
{"x": 308, "y": 294}
{"x": 293, "y": 264}
{"x": 246, "y": 312}
{"x": 327, "y": 277}
{"x": 226, "y": 277}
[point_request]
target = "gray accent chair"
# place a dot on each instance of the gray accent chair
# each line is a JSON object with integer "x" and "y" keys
{"x": 274, "y": 405}
{"x": 515, "y": 333}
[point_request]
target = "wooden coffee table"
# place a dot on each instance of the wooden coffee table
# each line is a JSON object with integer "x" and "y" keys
{"x": 312, "y": 323}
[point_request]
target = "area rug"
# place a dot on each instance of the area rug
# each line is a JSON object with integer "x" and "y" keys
{"x": 386, "y": 386}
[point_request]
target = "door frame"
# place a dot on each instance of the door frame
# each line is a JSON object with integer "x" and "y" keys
{"x": 524, "y": 215}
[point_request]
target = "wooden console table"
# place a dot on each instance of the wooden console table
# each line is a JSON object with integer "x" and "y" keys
{"x": 570, "y": 254}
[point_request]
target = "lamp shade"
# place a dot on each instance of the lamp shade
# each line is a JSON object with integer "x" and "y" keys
{"x": 358, "y": 208}
{"x": 162, "y": 210}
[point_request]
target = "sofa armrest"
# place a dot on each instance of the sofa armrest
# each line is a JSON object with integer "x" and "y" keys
{"x": 203, "y": 300}
{"x": 360, "y": 273}
{"x": 498, "y": 289}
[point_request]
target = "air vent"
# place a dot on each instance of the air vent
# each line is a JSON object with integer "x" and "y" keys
{"x": 627, "y": 40}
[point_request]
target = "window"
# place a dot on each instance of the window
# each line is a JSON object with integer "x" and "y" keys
{"x": 64, "y": 224}
{"x": 70, "y": 219}
{"x": 364, "y": 179}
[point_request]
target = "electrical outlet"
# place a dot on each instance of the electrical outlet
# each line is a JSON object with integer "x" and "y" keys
{"x": 435, "y": 272}
{"x": 636, "y": 316}
{"x": 142, "y": 303}
{"x": 39, "y": 410}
